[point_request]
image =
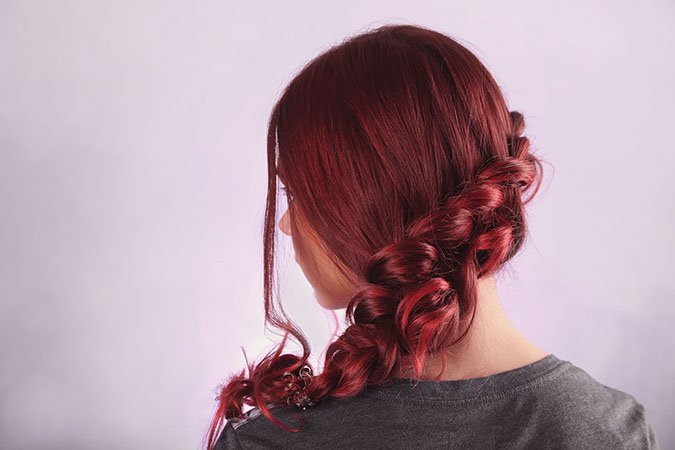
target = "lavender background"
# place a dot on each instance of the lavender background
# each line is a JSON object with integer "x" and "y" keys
{"x": 132, "y": 188}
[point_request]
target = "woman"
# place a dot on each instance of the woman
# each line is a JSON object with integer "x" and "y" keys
{"x": 405, "y": 175}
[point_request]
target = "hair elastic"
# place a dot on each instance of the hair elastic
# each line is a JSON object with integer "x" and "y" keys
{"x": 296, "y": 393}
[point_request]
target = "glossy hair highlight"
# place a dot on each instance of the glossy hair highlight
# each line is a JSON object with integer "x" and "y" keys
{"x": 397, "y": 149}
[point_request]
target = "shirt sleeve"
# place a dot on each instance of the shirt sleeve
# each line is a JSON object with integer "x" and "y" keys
{"x": 652, "y": 441}
{"x": 634, "y": 429}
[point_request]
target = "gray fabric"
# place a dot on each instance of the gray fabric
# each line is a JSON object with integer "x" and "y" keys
{"x": 549, "y": 404}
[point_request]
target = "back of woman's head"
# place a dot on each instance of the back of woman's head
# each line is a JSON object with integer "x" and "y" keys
{"x": 399, "y": 153}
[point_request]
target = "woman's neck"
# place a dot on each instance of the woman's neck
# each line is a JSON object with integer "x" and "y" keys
{"x": 492, "y": 345}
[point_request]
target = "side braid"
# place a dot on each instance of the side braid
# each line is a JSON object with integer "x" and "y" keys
{"x": 417, "y": 290}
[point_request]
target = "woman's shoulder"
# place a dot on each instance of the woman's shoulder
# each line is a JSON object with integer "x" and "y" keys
{"x": 565, "y": 408}
{"x": 293, "y": 416}
{"x": 578, "y": 389}
{"x": 580, "y": 409}
{"x": 255, "y": 430}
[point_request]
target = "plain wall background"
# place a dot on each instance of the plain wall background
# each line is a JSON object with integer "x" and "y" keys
{"x": 133, "y": 181}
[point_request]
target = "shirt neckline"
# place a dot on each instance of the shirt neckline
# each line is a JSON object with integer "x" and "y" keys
{"x": 471, "y": 388}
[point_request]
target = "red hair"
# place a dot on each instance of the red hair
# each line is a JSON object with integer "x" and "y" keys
{"x": 398, "y": 150}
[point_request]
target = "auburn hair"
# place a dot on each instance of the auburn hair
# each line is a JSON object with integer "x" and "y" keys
{"x": 398, "y": 151}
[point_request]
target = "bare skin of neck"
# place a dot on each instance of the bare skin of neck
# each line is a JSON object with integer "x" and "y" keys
{"x": 493, "y": 344}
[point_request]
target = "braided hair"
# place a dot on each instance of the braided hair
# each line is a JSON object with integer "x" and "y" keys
{"x": 400, "y": 153}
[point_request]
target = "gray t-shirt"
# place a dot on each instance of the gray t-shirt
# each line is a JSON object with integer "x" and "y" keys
{"x": 549, "y": 404}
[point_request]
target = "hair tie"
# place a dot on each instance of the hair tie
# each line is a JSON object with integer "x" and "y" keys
{"x": 295, "y": 392}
